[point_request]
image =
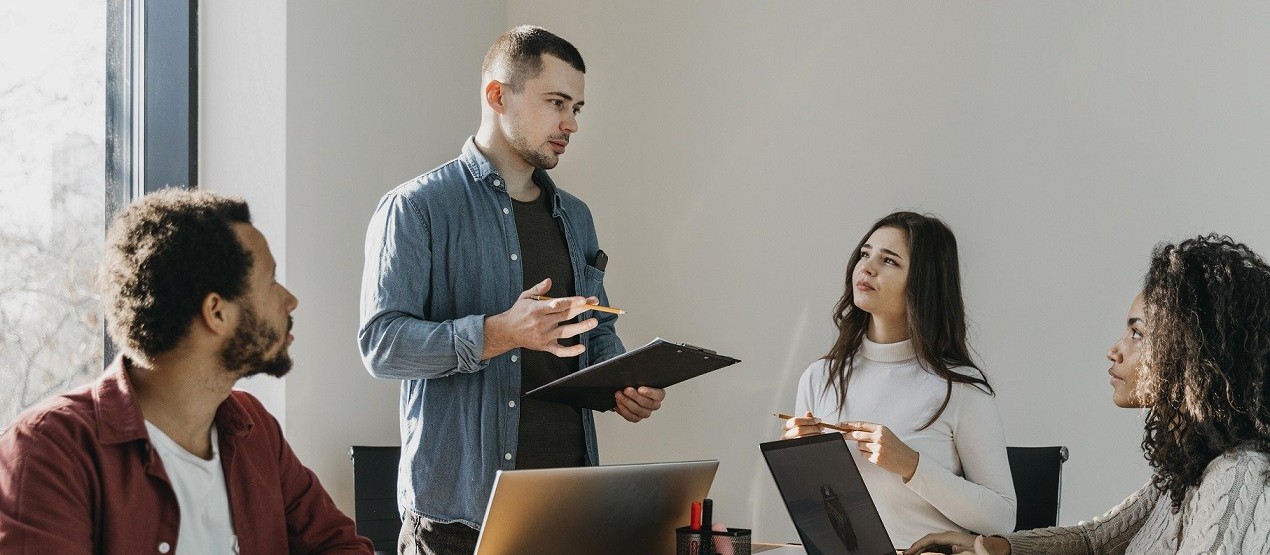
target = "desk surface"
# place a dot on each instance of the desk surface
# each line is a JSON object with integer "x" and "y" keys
{"x": 777, "y": 549}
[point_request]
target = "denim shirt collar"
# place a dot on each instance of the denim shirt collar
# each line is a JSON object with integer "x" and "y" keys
{"x": 483, "y": 172}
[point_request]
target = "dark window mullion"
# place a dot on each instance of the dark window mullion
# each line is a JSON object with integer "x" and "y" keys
{"x": 171, "y": 92}
{"x": 163, "y": 77}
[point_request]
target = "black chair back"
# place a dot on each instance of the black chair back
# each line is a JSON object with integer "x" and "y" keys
{"x": 375, "y": 495}
{"x": 1038, "y": 483}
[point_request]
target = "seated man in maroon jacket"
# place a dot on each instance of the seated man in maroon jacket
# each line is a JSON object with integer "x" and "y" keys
{"x": 161, "y": 454}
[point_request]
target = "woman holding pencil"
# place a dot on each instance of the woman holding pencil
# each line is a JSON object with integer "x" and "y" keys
{"x": 900, "y": 380}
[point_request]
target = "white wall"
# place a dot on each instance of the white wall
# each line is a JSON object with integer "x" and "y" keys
{"x": 242, "y": 128}
{"x": 377, "y": 93}
{"x": 734, "y": 152}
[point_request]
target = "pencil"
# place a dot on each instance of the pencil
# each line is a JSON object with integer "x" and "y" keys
{"x": 783, "y": 416}
{"x": 595, "y": 307}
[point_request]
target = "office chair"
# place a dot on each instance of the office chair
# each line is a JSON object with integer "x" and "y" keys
{"x": 375, "y": 495}
{"x": 1038, "y": 483}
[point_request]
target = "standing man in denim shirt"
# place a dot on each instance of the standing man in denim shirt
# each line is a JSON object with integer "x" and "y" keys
{"x": 454, "y": 260}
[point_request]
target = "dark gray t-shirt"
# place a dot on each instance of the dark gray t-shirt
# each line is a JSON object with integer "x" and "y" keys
{"x": 549, "y": 434}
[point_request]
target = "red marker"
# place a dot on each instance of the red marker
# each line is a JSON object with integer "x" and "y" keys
{"x": 695, "y": 522}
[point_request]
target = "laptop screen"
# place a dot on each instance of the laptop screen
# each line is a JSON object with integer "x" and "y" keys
{"x": 826, "y": 497}
{"x": 628, "y": 509}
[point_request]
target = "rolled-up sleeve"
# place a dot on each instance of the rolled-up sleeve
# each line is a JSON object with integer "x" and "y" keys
{"x": 396, "y": 339}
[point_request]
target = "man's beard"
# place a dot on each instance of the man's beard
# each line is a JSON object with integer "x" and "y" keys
{"x": 535, "y": 158}
{"x": 539, "y": 160}
{"x": 245, "y": 352}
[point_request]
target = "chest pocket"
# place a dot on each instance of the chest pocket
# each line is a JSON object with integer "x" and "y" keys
{"x": 592, "y": 281}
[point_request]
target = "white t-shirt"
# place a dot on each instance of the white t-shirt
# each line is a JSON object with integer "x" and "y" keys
{"x": 206, "y": 525}
{"x": 962, "y": 481}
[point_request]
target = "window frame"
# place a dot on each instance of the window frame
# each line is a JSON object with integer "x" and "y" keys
{"x": 151, "y": 103}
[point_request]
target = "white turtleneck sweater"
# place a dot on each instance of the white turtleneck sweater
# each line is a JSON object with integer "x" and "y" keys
{"x": 962, "y": 481}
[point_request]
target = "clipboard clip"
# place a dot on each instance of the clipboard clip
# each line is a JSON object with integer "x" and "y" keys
{"x": 700, "y": 349}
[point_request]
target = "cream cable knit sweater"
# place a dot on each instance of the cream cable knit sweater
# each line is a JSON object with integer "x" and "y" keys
{"x": 1229, "y": 513}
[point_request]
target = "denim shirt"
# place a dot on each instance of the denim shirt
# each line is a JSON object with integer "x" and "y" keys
{"x": 442, "y": 254}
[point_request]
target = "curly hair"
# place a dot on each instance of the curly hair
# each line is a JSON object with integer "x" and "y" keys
{"x": 164, "y": 254}
{"x": 1208, "y": 324}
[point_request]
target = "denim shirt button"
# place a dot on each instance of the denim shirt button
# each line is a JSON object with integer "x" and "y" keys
{"x": 513, "y": 257}
{"x": 508, "y": 456}
{"x": 498, "y": 182}
{"x": 506, "y": 211}
{"x": 511, "y": 404}
{"x": 515, "y": 358}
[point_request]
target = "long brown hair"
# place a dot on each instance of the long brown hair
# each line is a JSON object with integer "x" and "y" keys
{"x": 1208, "y": 359}
{"x": 936, "y": 313}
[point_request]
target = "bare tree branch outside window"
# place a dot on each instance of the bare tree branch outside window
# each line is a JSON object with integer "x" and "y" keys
{"x": 52, "y": 191}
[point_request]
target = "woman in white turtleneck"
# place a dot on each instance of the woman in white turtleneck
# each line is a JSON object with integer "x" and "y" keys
{"x": 929, "y": 440}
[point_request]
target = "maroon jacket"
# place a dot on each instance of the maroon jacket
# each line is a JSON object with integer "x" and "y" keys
{"x": 78, "y": 475}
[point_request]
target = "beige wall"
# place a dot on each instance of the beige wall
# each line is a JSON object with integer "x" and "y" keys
{"x": 733, "y": 152}
{"x": 377, "y": 93}
{"x": 243, "y": 128}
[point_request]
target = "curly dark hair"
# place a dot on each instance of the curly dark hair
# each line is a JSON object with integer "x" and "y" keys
{"x": 1208, "y": 327}
{"x": 164, "y": 254}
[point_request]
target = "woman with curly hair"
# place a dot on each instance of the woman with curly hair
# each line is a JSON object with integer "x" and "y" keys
{"x": 1196, "y": 354}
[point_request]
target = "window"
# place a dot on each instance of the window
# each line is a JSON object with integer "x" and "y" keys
{"x": 77, "y": 77}
{"x": 52, "y": 196}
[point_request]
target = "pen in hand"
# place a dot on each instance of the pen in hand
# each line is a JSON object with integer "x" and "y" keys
{"x": 784, "y": 416}
{"x": 595, "y": 307}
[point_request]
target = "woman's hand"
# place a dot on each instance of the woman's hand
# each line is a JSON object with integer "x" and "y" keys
{"x": 878, "y": 444}
{"x": 800, "y": 426}
{"x": 958, "y": 542}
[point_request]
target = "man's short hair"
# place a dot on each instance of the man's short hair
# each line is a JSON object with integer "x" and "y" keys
{"x": 516, "y": 56}
{"x": 164, "y": 254}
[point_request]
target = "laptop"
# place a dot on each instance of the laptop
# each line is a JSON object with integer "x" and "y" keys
{"x": 618, "y": 509}
{"x": 826, "y": 497}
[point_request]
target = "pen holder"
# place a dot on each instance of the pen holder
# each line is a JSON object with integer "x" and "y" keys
{"x": 736, "y": 541}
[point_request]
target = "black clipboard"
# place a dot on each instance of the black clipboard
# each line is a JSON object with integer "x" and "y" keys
{"x": 659, "y": 364}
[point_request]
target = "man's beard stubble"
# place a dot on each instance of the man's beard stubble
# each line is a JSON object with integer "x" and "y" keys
{"x": 539, "y": 160}
{"x": 245, "y": 352}
{"x": 535, "y": 158}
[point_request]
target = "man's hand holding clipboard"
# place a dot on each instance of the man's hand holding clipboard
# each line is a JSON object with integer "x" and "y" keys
{"x": 637, "y": 403}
